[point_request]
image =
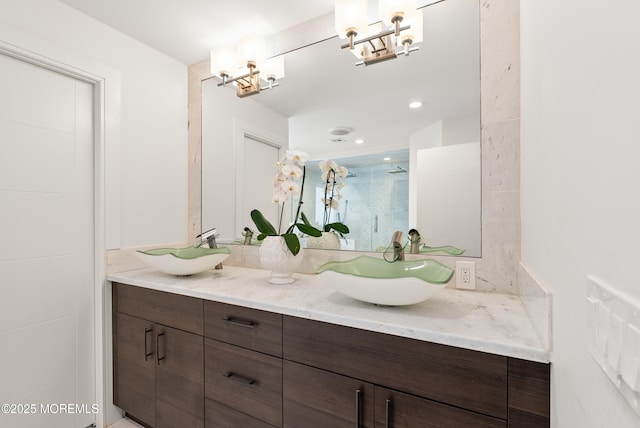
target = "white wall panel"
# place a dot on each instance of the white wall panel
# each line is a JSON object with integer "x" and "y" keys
{"x": 60, "y": 392}
{"x": 27, "y": 88}
{"x": 36, "y": 159}
{"x": 36, "y": 225}
{"x": 36, "y": 356}
{"x": 36, "y": 290}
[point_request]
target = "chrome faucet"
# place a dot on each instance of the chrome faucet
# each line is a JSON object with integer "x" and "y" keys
{"x": 414, "y": 240}
{"x": 397, "y": 242}
{"x": 210, "y": 238}
{"x": 248, "y": 234}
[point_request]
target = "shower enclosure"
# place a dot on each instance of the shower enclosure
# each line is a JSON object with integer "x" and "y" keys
{"x": 374, "y": 203}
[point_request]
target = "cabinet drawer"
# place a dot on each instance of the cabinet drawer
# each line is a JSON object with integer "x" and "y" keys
{"x": 173, "y": 310}
{"x": 248, "y": 381}
{"x": 398, "y": 410}
{"x": 246, "y": 327}
{"x": 220, "y": 416}
{"x": 461, "y": 377}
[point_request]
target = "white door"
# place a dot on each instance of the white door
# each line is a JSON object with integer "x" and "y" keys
{"x": 260, "y": 160}
{"x": 47, "y": 350}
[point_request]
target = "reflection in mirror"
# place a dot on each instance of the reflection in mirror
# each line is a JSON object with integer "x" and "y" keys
{"x": 322, "y": 91}
{"x": 373, "y": 201}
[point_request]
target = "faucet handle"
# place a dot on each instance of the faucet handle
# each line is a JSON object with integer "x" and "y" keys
{"x": 206, "y": 235}
{"x": 397, "y": 237}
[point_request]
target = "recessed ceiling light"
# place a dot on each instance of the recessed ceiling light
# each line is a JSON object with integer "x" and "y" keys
{"x": 359, "y": 141}
{"x": 387, "y": 158}
{"x": 415, "y": 104}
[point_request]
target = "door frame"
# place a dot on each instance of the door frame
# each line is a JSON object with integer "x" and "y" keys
{"x": 106, "y": 90}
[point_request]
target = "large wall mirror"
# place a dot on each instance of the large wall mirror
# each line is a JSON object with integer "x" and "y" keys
{"x": 415, "y": 168}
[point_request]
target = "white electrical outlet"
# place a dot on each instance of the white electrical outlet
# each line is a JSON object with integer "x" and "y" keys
{"x": 466, "y": 275}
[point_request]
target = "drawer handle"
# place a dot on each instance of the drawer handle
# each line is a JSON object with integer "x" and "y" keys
{"x": 238, "y": 322}
{"x": 244, "y": 381}
{"x": 147, "y": 354}
{"x": 387, "y": 423}
{"x": 158, "y": 357}
{"x": 358, "y": 399}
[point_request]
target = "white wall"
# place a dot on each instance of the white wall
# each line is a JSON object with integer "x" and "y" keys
{"x": 431, "y": 136}
{"x": 460, "y": 130}
{"x": 147, "y": 149}
{"x": 449, "y": 197}
{"x": 581, "y": 181}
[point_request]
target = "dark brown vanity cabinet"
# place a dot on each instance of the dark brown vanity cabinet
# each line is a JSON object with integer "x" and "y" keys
{"x": 414, "y": 383}
{"x": 185, "y": 362}
{"x": 158, "y": 368}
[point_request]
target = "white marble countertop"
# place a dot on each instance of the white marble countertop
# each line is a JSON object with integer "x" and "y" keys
{"x": 489, "y": 322}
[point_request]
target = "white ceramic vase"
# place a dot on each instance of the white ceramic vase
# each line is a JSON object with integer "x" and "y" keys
{"x": 328, "y": 241}
{"x": 275, "y": 255}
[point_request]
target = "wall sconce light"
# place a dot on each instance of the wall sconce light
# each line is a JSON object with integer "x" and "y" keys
{"x": 241, "y": 66}
{"x": 379, "y": 43}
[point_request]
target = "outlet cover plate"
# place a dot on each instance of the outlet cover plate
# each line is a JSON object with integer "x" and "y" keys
{"x": 466, "y": 275}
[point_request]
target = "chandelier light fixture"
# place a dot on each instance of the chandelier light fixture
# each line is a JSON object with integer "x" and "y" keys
{"x": 397, "y": 33}
{"x": 246, "y": 66}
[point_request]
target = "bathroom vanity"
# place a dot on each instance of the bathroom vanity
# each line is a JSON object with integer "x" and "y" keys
{"x": 227, "y": 349}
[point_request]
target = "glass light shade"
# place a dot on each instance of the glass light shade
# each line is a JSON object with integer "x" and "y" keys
{"x": 388, "y": 8}
{"x": 416, "y": 28}
{"x": 351, "y": 14}
{"x": 273, "y": 67}
{"x": 223, "y": 59}
{"x": 252, "y": 48}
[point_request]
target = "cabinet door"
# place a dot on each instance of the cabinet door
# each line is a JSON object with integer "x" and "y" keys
{"x": 134, "y": 367}
{"x": 315, "y": 398}
{"x": 179, "y": 378}
{"x": 398, "y": 410}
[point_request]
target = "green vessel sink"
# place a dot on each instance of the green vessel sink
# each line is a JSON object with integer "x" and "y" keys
{"x": 375, "y": 280}
{"x": 183, "y": 261}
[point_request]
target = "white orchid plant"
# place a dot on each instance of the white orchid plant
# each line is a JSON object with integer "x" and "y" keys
{"x": 333, "y": 176}
{"x": 288, "y": 181}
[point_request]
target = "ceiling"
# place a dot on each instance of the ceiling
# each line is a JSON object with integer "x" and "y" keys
{"x": 187, "y": 29}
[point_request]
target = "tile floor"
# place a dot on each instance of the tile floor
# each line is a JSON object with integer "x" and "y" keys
{"x": 125, "y": 423}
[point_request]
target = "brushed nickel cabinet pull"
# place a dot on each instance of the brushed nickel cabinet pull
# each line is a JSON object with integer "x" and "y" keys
{"x": 240, "y": 322}
{"x": 158, "y": 357}
{"x": 147, "y": 354}
{"x": 242, "y": 380}
{"x": 358, "y": 399}
{"x": 387, "y": 420}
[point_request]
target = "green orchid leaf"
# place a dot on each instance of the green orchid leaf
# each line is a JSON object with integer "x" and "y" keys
{"x": 338, "y": 227}
{"x": 293, "y": 243}
{"x": 308, "y": 229}
{"x": 263, "y": 225}
{"x": 305, "y": 220}
{"x": 262, "y": 236}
